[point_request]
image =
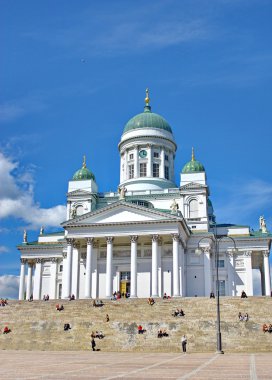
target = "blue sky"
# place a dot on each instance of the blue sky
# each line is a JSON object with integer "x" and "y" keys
{"x": 74, "y": 72}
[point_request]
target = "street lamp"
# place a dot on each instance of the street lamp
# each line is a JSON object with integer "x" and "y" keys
{"x": 198, "y": 252}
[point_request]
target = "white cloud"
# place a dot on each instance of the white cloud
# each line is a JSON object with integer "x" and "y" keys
{"x": 17, "y": 108}
{"x": 246, "y": 198}
{"x": 17, "y": 197}
{"x": 9, "y": 286}
{"x": 3, "y": 249}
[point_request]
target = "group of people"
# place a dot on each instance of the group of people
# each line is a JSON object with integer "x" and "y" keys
{"x": 162, "y": 333}
{"x": 72, "y": 297}
{"x": 243, "y": 317}
{"x": 97, "y": 334}
{"x": 97, "y": 303}
{"x": 59, "y": 307}
{"x": 150, "y": 301}
{"x": 178, "y": 313}
{"x": 3, "y": 302}
{"x": 267, "y": 328}
{"x": 141, "y": 330}
{"x": 165, "y": 296}
{"x": 46, "y": 297}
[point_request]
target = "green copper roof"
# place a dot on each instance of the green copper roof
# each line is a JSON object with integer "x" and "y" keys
{"x": 193, "y": 166}
{"x": 83, "y": 173}
{"x": 147, "y": 119}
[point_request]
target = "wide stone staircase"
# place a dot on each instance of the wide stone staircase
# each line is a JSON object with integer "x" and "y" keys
{"x": 38, "y": 326}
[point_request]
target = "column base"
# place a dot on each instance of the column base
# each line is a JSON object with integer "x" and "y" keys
{"x": 133, "y": 297}
{"x": 178, "y": 296}
{"x": 155, "y": 296}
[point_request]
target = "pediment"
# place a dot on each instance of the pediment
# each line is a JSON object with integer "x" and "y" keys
{"x": 192, "y": 185}
{"x": 120, "y": 212}
{"x": 78, "y": 192}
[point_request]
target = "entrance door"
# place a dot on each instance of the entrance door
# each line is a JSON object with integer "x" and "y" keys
{"x": 125, "y": 283}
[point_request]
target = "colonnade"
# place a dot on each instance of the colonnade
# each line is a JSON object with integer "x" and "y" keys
{"x": 70, "y": 275}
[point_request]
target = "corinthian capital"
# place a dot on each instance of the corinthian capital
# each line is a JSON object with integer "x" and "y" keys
{"x": 133, "y": 238}
{"x": 176, "y": 237}
{"x": 109, "y": 239}
{"x": 155, "y": 238}
{"x": 90, "y": 241}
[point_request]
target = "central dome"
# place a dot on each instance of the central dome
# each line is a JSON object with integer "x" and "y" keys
{"x": 147, "y": 119}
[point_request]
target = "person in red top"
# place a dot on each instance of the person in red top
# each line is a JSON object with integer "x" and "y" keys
{"x": 6, "y": 330}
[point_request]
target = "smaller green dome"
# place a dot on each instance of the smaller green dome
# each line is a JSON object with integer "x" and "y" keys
{"x": 83, "y": 173}
{"x": 193, "y": 166}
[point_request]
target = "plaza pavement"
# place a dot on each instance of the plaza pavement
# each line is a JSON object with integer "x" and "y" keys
{"x": 114, "y": 365}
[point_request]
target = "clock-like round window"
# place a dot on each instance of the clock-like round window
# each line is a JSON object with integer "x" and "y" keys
{"x": 143, "y": 153}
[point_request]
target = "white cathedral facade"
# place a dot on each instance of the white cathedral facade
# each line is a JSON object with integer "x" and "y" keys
{"x": 150, "y": 237}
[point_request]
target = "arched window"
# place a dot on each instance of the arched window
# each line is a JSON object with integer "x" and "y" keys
{"x": 193, "y": 209}
{"x": 79, "y": 210}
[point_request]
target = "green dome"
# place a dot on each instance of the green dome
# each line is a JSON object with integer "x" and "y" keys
{"x": 193, "y": 166}
{"x": 83, "y": 173}
{"x": 147, "y": 119}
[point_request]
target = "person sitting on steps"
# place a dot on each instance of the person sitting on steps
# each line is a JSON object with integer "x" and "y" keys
{"x": 151, "y": 301}
{"x": 6, "y": 330}
{"x": 107, "y": 318}
{"x": 243, "y": 294}
{"x": 66, "y": 326}
{"x": 212, "y": 295}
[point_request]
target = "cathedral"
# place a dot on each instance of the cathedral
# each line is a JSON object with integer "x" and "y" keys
{"x": 149, "y": 238}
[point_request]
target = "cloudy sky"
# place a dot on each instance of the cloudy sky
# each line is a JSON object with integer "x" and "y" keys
{"x": 73, "y": 73}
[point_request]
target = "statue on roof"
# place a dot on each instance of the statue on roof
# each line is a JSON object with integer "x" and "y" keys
{"x": 25, "y": 237}
{"x": 42, "y": 230}
{"x": 174, "y": 207}
{"x": 262, "y": 225}
{"x": 122, "y": 192}
{"x": 73, "y": 212}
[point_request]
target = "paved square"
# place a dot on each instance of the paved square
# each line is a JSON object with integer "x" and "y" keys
{"x": 114, "y": 365}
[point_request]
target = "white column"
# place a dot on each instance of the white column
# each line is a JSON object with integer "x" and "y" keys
{"x": 109, "y": 266}
{"x": 53, "y": 278}
{"x": 133, "y": 270}
{"x": 75, "y": 271}
{"x": 249, "y": 277}
{"x": 22, "y": 280}
{"x": 122, "y": 166}
{"x": 37, "y": 280}
{"x": 64, "y": 275}
{"x": 149, "y": 171}
{"x": 162, "y": 170}
{"x": 267, "y": 273}
{"x": 88, "y": 278}
{"x": 231, "y": 272}
{"x": 155, "y": 240}
{"x": 160, "y": 268}
{"x": 181, "y": 270}
{"x": 68, "y": 267}
{"x": 94, "y": 271}
{"x": 126, "y": 165}
{"x": 207, "y": 272}
{"x": 176, "y": 288}
{"x": 29, "y": 281}
{"x": 136, "y": 161}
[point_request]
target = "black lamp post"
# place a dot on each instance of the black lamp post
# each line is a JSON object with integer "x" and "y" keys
{"x": 198, "y": 251}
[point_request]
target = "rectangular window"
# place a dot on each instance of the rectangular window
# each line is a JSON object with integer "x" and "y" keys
{"x": 131, "y": 171}
{"x": 221, "y": 264}
{"x": 142, "y": 170}
{"x": 222, "y": 288}
{"x": 156, "y": 170}
{"x": 125, "y": 276}
{"x": 156, "y": 155}
{"x": 166, "y": 157}
{"x": 131, "y": 156}
{"x": 166, "y": 172}
{"x": 61, "y": 268}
